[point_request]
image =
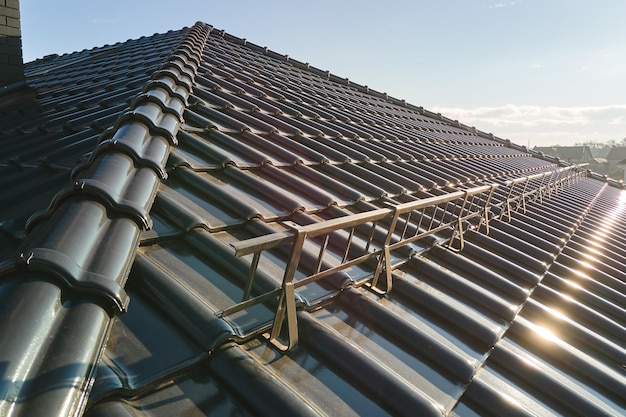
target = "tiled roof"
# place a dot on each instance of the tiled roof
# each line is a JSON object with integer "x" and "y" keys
{"x": 617, "y": 153}
{"x": 569, "y": 153}
{"x": 469, "y": 276}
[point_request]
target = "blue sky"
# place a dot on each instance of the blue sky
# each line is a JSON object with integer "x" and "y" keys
{"x": 539, "y": 72}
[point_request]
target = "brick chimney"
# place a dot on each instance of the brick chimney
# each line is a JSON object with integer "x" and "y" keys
{"x": 11, "y": 64}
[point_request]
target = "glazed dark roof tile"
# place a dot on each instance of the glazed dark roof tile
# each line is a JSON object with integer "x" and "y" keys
{"x": 138, "y": 170}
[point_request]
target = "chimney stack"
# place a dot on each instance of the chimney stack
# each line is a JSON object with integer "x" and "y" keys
{"x": 11, "y": 64}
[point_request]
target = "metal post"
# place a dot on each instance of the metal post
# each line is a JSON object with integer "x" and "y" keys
{"x": 459, "y": 227}
{"x": 385, "y": 255}
{"x": 253, "y": 267}
{"x": 286, "y": 302}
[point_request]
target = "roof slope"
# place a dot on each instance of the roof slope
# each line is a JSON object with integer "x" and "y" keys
{"x": 526, "y": 319}
{"x": 568, "y": 153}
{"x": 617, "y": 153}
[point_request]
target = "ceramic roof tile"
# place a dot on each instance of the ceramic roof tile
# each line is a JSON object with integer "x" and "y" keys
{"x": 212, "y": 140}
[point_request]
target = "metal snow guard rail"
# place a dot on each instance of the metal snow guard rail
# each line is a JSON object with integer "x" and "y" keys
{"x": 400, "y": 225}
{"x": 538, "y": 186}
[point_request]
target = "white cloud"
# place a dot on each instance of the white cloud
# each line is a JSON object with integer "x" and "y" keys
{"x": 512, "y": 114}
{"x": 547, "y": 125}
{"x": 502, "y": 4}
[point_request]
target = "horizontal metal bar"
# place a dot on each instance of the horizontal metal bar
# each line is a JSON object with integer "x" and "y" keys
{"x": 328, "y": 226}
{"x": 269, "y": 241}
{"x": 260, "y": 243}
{"x": 575, "y": 168}
{"x": 312, "y": 278}
{"x": 248, "y": 303}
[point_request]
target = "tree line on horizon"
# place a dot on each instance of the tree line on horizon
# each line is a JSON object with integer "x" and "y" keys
{"x": 608, "y": 144}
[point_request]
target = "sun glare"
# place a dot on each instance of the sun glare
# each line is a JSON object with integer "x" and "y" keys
{"x": 545, "y": 333}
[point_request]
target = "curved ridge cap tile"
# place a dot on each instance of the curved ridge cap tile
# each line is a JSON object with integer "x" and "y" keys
{"x": 100, "y": 194}
{"x": 164, "y": 124}
{"x": 172, "y": 105}
{"x": 182, "y": 79}
{"x": 174, "y": 64}
{"x": 121, "y": 198}
{"x": 113, "y": 177}
{"x": 65, "y": 269}
{"x": 196, "y": 44}
{"x": 136, "y": 140}
{"x": 184, "y": 58}
{"x": 171, "y": 76}
{"x": 173, "y": 89}
{"x": 134, "y": 196}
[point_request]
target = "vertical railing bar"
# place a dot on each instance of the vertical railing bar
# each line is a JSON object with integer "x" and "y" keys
{"x": 436, "y": 221}
{"x": 547, "y": 187}
{"x": 453, "y": 210}
{"x": 551, "y": 181}
{"x": 389, "y": 281}
{"x": 444, "y": 210}
{"x": 318, "y": 265}
{"x": 476, "y": 207}
{"x": 432, "y": 218}
{"x": 449, "y": 211}
{"x": 555, "y": 182}
{"x": 486, "y": 209}
{"x": 370, "y": 239}
{"x": 458, "y": 227}
{"x": 540, "y": 189}
{"x": 419, "y": 223}
{"x": 253, "y": 267}
{"x": 507, "y": 203}
{"x": 473, "y": 204}
{"x": 345, "y": 255}
{"x": 406, "y": 225}
{"x": 524, "y": 194}
{"x": 514, "y": 200}
{"x": 481, "y": 201}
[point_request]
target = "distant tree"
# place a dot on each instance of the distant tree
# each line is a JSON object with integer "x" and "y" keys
{"x": 591, "y": 144}
{"x": 598, "y": 145}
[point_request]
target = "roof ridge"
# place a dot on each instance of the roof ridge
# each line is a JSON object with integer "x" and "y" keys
{"x": 105, "y": 211}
